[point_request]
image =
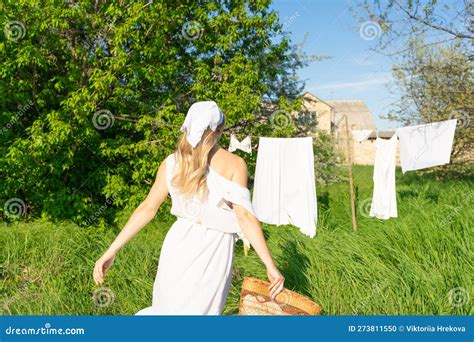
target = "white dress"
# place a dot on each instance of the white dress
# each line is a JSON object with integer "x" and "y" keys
{"x": 195, "y": 266}
{"x": 384, "y": 199}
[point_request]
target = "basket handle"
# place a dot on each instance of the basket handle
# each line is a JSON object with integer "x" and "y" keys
{"x": 269, "y": 299}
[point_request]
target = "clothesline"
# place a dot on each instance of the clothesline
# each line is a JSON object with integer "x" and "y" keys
{"x": 283, "y": 167}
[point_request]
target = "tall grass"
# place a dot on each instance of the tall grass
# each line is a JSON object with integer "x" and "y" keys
{"x": 418, "y": 263}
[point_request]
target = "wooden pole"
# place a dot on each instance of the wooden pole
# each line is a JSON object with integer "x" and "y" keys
{"x": 351, "y": 180}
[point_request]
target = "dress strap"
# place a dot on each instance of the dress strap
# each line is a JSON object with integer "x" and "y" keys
{"x": 231, "y": 192}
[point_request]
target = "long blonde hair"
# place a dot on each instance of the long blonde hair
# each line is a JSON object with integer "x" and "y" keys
{"x": 190, "y": 178}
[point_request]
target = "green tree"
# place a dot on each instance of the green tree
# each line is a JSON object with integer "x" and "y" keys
{"x": 431, "y": 45}
{"x": 437, "y": 85}
{"x": 106, "y": 86}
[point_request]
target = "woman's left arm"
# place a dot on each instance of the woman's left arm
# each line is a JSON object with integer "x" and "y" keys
{"x": 142, "y": 215}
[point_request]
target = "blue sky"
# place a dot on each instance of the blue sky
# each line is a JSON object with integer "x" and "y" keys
{"x": 353, "y": 71}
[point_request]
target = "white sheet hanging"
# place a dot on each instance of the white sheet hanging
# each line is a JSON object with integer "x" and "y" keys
{"x": 384, "y": 199}
{"x": 423, "y": 146}
{"x": 285, "y": 189}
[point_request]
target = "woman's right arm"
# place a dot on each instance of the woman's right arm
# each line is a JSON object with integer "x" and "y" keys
{"x": 142, "y": 215}
{"x": 253, "y": 232}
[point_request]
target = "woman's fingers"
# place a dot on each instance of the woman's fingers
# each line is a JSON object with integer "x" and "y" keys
{"x": 101, "y": 267}
{"x": 278, "y": 289}
{"x": 94, "y": 273}
{"x": 98, "y": 275}
{"x": 275, "y": 285}
{"x": 272, "y": 290}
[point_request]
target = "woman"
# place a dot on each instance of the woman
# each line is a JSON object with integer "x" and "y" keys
{"x": 208, "y": 189}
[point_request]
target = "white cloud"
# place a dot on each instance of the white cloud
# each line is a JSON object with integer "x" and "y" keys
{"x": 359, "y": 85}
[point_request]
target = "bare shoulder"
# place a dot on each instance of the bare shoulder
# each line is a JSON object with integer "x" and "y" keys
{"x": 229, "y": 164}
{"x": 240, "y": 164}
{"x": 237, "y": 168}
{"x": 232, "y": 160}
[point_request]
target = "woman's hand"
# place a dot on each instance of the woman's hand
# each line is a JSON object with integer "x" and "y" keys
{"x": 102, "y": 266}
{"x": 276, "y": 281}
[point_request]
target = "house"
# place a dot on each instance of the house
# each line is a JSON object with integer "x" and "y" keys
{"x": 331, "y": 116}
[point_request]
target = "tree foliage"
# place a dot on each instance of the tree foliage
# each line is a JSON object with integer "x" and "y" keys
{"x": 438, "y": 85}
{"x": 431, "y": 45}
{"x": 94, "y": 93}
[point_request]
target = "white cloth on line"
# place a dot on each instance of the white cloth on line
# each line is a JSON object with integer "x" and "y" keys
{"x": 384, "y": 198}
{"x": 195, "y": 266}
{"x": 428, "y": 145}
{"x": 285, "y": 189}
{"x": 244, "y": 145}
{"x": 361, "y": 135}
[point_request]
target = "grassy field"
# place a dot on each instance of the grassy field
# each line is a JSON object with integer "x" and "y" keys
{"x": 419, "y": 263}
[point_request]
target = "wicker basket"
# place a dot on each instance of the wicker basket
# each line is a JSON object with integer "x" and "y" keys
{"x": 255, "y": 300}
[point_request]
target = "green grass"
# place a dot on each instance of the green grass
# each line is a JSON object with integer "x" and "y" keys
{"x": 406, "y": 265}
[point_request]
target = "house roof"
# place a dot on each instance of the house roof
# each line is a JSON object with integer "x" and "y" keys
{"x": 381, "y": 134}
{"x": 315, "y": 98}
{"x": 358, "y": 115}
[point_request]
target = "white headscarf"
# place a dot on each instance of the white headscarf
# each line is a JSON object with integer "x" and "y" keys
{"x": 200, "y": 116}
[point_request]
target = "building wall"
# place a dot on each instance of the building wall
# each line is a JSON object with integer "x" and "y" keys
{"x": 364, "y": 152}
{"x": 324, "y": 114}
